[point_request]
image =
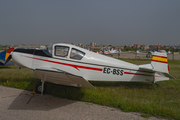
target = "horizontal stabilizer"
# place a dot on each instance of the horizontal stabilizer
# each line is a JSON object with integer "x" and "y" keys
{"x": 153, "y": 71}
{"x": 168, "y": 75}
{"x": 146, "y": 68}
{"x": 159, "y": 65}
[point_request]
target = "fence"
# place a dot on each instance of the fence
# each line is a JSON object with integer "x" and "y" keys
{"x": 129, "y": 55}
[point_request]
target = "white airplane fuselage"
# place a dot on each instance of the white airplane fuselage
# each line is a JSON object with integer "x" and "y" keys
{"x": 92, "y": 66}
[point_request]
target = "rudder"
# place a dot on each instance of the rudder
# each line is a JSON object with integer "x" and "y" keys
{"x": 160, "y": 62}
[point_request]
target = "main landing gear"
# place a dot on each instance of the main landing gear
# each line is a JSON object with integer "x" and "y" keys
{"x": 155, "y": 82}
{"x": 157, "y": 85}
{"x": 40, "y": 88}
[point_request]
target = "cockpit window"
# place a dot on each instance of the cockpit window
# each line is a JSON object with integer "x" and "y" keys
{"x": 46, "y": 51}
{"x": 61, "y": 51}
{"x": 76, "y": 54}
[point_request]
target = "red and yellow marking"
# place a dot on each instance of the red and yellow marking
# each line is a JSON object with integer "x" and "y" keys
{"x": 8, "y": 52}
{"x": 160, "y": 59}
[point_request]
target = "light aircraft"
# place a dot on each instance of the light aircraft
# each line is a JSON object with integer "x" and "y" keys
{"x": 100, "y": 51}
{"x": 94, "y": 51}
{"x": 74, "y": 66}
{"x": 4, "y": 55}
{"x": 162, "y": 51}
{"x": 110, "y": 51}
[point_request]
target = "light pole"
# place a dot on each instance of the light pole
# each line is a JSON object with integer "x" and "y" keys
{"x": 173, "y": 54}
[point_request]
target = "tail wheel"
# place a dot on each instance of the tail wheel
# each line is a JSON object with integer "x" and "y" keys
{"x": 38, "y": 88}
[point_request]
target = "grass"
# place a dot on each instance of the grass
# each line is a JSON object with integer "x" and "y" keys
{"x": 141, "y": 97}
{"x": 145, "y": 116}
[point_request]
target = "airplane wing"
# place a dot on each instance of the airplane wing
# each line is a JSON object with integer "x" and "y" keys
{"x": 57, "y": 76}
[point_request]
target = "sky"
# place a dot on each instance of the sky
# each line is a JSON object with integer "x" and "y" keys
{"x": 115, "y": 22}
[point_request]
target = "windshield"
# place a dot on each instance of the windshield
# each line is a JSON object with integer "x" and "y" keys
{"x": 76, "y": 54}
{"x": 46, "y": 51}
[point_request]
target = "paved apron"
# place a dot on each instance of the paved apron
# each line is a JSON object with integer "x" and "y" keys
{"x": 13, "y": 106}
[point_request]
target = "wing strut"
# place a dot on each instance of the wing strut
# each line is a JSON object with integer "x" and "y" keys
{"x": 42, "y": 87}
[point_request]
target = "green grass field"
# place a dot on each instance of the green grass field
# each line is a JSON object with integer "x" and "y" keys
{"x": 142, "y": 97}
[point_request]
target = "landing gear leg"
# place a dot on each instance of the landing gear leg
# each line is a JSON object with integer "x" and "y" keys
{"x": 157, "y": 85}
{"x": 155, "y": 81}
{"x": 42, "y": 87}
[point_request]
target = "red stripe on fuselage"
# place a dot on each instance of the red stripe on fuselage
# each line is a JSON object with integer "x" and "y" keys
{"x": 84, "y": 67}
{"x": 159, "y": 61}
{"x": 140, "y": 74}
{"x": 136, "y": 74}
{"x": 71, "y": 65}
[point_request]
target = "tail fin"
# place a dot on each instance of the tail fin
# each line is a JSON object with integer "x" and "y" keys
{"x": 160, "y": 62}
{"x": 159, "y": 65}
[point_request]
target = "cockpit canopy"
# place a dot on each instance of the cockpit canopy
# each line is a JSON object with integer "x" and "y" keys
{"x": 67, "y": 51}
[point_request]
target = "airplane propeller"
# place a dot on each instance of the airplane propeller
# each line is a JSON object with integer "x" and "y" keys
{"x": 8, "y": 59}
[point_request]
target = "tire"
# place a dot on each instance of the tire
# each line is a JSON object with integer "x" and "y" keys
{"x": 38, "y": 88}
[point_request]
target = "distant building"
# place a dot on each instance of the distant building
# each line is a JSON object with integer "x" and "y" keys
{"x": 178, "y": 47}
{"x": 107, "y": 45}
{"x": 159, "y": 47}
{"x": 32, "y": 46}
{"x": 101, "y": 45}
{"x": 136, "y": 46}
{"x": 92, "y": 44}
{"x": 79, "y": 44}
{"x": 73, "y": 43}
{"x": 42, "y": 46}
{"x": 121, "y": 47}
{"x": 22, "y": 46}
{"x": 131, "y": 45}
{"x": 145, "y": 47}
{"x": 155, "y": 47}
{"x": 14, "y": 46}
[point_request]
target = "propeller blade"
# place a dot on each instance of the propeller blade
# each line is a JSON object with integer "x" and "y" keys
{"x": 8, "y": 59}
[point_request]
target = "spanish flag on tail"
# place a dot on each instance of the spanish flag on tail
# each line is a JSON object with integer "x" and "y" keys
{"x": 160, "y": 62}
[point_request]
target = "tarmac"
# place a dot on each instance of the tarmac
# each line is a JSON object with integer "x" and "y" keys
{"x": 17, "y": 104}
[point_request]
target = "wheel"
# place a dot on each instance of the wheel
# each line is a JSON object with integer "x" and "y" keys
{"x": 38, "y": 88}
